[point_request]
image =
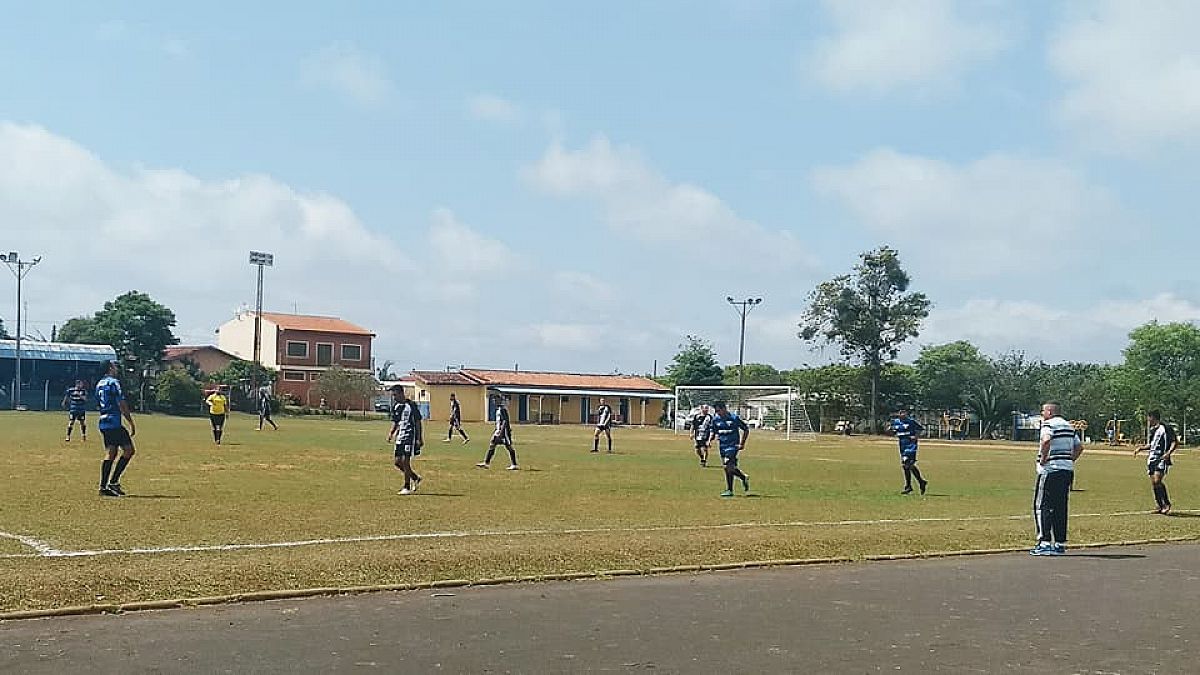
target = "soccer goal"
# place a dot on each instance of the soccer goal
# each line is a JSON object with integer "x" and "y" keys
{"x": 777, "y": 409}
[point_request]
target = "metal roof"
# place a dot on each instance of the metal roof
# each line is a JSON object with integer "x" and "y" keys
{"x": 56, "y": 351}
{"x": 584, "y": 392}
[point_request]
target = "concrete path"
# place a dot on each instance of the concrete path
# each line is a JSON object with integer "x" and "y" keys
{"x": 1118, "y": 610}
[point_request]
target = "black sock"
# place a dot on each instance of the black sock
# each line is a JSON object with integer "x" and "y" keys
{"x": 490, "y": 453}
{"x": 917, "y": 474}
{"x": 105, "y": 470}
{"x": 122, "y": 462}
{"x": 68, "y": 432}
{"x": 512, "y": 454}
{"x": 729, "y": 481}
{"x": 610, "y": 444}
{"x": 907, "y": 476}
{"x": 596, "y": 444}
{"x": 1166, "y": 500}
{"x": 463, "y": 434}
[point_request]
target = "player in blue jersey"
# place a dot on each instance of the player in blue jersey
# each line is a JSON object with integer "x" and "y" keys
{"x": 731, "y": 432}
{"x": 907, "y": 432}
{"x": 116, "y": 437}
{"x": 75, "y": 400}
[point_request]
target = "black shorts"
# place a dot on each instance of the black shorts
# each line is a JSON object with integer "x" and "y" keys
{"x": 701, "y": 443}
{"x": 116, "y": 438}
{"x": 79, "y": 415}
{"x": 265, "y": 413}
{"x": 407, "y": 449}
{"x": 1158, "y": 466}
{"x": 217, "y": 420}
{"x": 501, "y": 439}
{"x": 455, "y": 424}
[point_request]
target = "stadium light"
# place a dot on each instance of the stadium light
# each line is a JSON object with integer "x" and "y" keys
{"x": 19, "y": 268}
{"x": 743, "y": 308}
{"x": 260, "y": 260}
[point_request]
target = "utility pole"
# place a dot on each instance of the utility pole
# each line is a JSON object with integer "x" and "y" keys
{"x": 260, "y": 260}
{"x": 743, "y": 307}
{"x": 19, "y": 268}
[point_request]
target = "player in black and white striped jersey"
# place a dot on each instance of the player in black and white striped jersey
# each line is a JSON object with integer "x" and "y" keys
{"x": 604, "y": 421}
{"x": 406, "y": 431}
{"x": 455, "y": 421}
{"x": 1158, "y": 458}
{"x": 1059, "y": 448}
{"x": 502, "y": 436}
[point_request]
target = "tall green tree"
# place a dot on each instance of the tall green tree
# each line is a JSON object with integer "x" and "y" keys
{"x": 342, "y": 388}
{"x": 756, "y": 374}
{"x": 695, "y": 364}
{"x": 946, "y": 374}
{"x": 869, "y": 314}
{"x": 1162, "y": 367}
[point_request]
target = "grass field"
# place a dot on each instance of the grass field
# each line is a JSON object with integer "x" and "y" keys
{"x": 649, "y": 505}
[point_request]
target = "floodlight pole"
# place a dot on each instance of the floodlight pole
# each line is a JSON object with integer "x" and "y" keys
{"x": 743, "y": 308}
{"x": 19, "y": 268}
{"x": 260, "y": 260}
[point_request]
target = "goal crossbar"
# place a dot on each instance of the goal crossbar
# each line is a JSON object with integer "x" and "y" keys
{"x": 779, "y": 408}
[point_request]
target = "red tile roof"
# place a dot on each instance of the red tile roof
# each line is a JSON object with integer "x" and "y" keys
{"x": 183, "y": 351}
{"x": 324, "y": 324}
{"x": 477, "y": 376}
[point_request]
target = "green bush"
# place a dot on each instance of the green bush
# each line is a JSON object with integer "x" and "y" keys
{"x": 177, "y": 392}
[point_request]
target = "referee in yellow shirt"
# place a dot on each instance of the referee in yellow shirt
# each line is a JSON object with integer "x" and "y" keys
{"x": 218, "y": 407}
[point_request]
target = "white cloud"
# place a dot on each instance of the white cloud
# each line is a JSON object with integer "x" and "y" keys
{"x": 1097, "y": 332}
{"x": 1133, "y": 72}
{"x": 884, "y": 45}
{"x": 641, "y": 204}
{"x": 459, "y": 249}
{"x": 584, "y": 290}
{"x": 1005, "y": 211}
{"x": 492, "y": 108}
{"x": 567, "y": 336}
{"x": 343, "y": 68}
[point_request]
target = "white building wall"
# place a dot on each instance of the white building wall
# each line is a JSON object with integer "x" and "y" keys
{"x": 237, "y": 337}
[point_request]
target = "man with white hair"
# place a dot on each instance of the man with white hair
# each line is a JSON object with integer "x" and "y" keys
{"x": 1058, "y": 450}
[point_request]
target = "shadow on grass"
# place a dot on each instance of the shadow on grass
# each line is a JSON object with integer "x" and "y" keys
{"x": 753, "y": 495}
{"x": 152, "y": 497}
{"x": 439, "y": 494}
{"x": 1183, "y": 514}
{"x": 1108, "y": 556}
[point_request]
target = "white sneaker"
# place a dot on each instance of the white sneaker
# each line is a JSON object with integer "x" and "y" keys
{"x": 482, "y": 465}
{"x": 445, "y": 440}
{"x": 514, "y": 467}
{"x": 405, "y": 491}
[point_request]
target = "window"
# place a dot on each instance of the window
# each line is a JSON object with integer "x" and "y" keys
{"x": 352, "y": 352}
{"x": 293, "y": 376}
{"x": 324, "y": 353}
{"x": 297, "y": 350}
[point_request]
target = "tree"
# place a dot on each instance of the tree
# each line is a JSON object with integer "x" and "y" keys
{"x": 177, "y": 392}
{"x": 947, "y": 374}
{"x": 756, "y": 374}
{"x": 869, "y": 314}
{"x": 385, "y": 374}
{"x": 342, "y": 388}
{"x": 238, "y": 376}
{"x": 695, "y": 364}
{"x": 1162, "y": 367}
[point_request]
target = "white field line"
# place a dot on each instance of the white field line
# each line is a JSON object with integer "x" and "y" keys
{"x": 45, "y": 551}
{"x": 42, "y": 548}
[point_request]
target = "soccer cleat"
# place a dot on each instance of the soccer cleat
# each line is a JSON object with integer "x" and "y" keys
{"x": 924, "y": 486}
{"x": 745, "y": 483}
{"x": 1060, "y": 548}
{"x": 727, "y": 493}
{"x": 907, "y": 490}
{"x": 513, "y": 467}
{"x": 466, "y": 440}
{"x": 482, "y": 465}
{"x": 404, "y": 491}
{"x": 1166, "y": 510}
{"x": 108, "y": 492}
{"x": 116, "y": 487}
{"x": 1044, "y": 548}
{"x": 703, "y": 464}
{"x": 416, "y": 483}
{"x": 445, "y": 440}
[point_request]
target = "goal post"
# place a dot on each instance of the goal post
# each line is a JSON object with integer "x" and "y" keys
{"x": 779, "y": 409}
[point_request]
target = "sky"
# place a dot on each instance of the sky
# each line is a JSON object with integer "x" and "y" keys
{"x": 578, "y": 186}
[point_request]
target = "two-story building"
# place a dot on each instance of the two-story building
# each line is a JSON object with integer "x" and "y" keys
{"x": 299, "y": 346}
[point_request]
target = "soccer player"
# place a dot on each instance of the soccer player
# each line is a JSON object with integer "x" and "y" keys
{"x": 406, "y": 431}
{"x": 732, "y": 432}
{"x": 1059, "y": 449}
{"x": 702, "y": 432}
{"x": 112, "y": 408}
{"x": 75, "y": 401}
{"x": 502, "y": 436}
{"x": 218, "y": 408}
{"x": 604, "y": 420}
{"x": 264, "y": 408}
{"x": 456, "y": 421}
{"x": 907, "y": 432}
{"x": 1158, "y": 458}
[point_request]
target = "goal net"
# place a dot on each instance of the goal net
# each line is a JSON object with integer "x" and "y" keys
{"x": 778, "y": 410}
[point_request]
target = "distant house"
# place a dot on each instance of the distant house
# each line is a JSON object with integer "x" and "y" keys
{"x": 541, "y": 397}
{"x": 299, "y": 346}
{"x": 208, "y": 359}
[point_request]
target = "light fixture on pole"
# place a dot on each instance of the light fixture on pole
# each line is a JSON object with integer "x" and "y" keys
{"x": 743, "y": 308}
{"x": 260, "y": 260}
{"x": 19, "y": 268}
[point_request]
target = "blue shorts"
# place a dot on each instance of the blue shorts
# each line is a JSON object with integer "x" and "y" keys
{"x": 729, "y": 456}
{"x": 908, "y": 456}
